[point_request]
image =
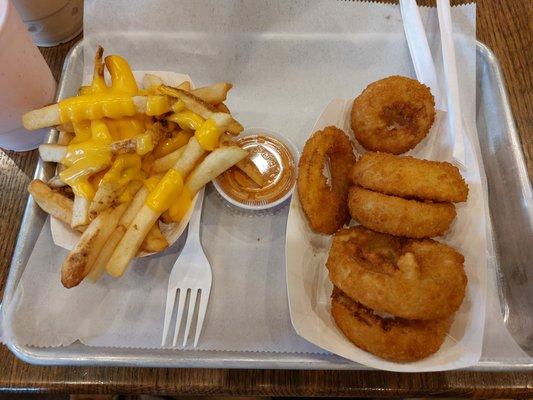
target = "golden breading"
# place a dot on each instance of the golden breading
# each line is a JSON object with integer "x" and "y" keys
{"x": 405, "y": 176}
{"x": 325, "y": 205}
{"x": 398, "y": 216}
{"x": 394, "y": 339}
{"x": 412, "y": 279}
{"x": 393, "y": 114}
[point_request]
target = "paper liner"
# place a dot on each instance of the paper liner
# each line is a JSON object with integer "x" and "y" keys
{"x": 286, "y": 61}
{"x": 65, "y": 237}
{"x": 309, "y": 288}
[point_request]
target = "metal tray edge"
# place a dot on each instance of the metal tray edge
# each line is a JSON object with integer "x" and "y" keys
{"x": 241, "y": 359}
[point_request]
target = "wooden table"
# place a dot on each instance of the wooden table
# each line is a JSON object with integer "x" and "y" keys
{"x": 503, "y": 26}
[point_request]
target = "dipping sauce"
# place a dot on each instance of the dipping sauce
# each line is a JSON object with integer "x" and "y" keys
{"x": 275, "y": 169}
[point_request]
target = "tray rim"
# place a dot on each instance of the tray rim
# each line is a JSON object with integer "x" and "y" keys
{"x": 160, "y": 358}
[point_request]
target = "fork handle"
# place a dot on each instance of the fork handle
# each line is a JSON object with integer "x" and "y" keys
{"x": 194, "y": 222}
{"x": 455, "y": 118}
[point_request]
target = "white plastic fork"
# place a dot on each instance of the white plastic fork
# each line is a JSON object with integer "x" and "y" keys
{"x": 446, "y": 100}
{"x": 190, "y": 277}
{"x": 455, "y": 118}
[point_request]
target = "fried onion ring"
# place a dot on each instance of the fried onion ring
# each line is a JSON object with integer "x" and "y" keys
{"x": 393, "y": 114}
{"x": 411, "y": 279}
{"x": 325, "y": 205}
{"x": 394, "y": 339}
{"x": 410, "y": 177}
{"x": 398, "y": 216}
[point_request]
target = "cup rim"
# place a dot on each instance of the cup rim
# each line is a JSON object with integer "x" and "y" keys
{"x": 295, "y": 154}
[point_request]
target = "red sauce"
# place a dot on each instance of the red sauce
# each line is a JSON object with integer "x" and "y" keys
{"x": 275, "y": 163}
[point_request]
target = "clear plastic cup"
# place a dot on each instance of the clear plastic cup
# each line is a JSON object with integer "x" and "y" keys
{"x": 26, "y": 82}
{"x": 268, "y": 157}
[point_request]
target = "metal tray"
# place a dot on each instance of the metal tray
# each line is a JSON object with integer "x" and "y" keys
{"x": 510, "y": 202}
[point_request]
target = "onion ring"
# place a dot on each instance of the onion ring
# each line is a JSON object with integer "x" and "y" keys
{"x": 394, "y": 339}
{"x": 325, "y": 205}
{"x": 398, "y": 216}
{"x": 411, "y": 279}
{"x": 410, "y": 177}
{"x": 393, "y": 114}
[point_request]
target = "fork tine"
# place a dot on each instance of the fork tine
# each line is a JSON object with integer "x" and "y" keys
{"x": 179, "y": 316}
{"x": 192, "y": 303}
{"x": 204, "y": 299}
{"x": 171, "y": 300}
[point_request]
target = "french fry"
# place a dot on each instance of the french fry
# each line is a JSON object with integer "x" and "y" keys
{"x": 52, "y": 152}
{"x": 105, "y": 196}
{"x": 191, "y": 154}
{"x": 73, "y": 269}
{"x": 98, "y": 68}
{"x": 150, "y": 80}
{"x": 251, "y": 170}
{"x": 112, "y": 234}
{"x": 134, "y": 207}
{"x": 198, "y": 106}
{"x": 53, "y": 203}
{"x": 63, "y": 139}
{"x": 64, "y": 191}
{"x": 245, "y": 165}
{"x": 124, "y": 146}
{"x": 163, "y": 164}
{"x": 154, "y": 240}
{"x": 157, "y": 131}
{"x": 56, "y": 152}
{"x": 80, "y": 260}
{"x": 146, "y": 217}
{"x": 213, "y": 165}
{"x": 131, "y": 241}
{"x": 166, "y": 218}
{"x": 185, "y": 85}
{"x": 221, "y": 107}
{"x": 213, "y": 94}
{"x": 172, "y": 141}
{"x": 131, "y": 211}
{"x": 99, "y": 264}
{"x": 80, "y": 212}
{"x": 50, "y": 116}
{"x": 41, "y": 118}
{"x": 107, "y": 193}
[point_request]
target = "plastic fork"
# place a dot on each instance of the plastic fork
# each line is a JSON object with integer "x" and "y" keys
{"x": 419, "y": 49}
{"x": 426, "y": 72}
{"x": 190, "y": 279}
{"x": 457, "y": 126}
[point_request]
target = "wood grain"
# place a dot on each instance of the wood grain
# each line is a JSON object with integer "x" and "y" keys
{"x": 503, "y": 26}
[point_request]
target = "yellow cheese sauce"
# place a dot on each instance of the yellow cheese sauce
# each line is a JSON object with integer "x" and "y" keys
{"x": 87, "y": 154}
{"x": 96, "y": 106}
{"x": 166, "y": 191}
{"x": 181, "y": 205}
{"x": 102, "y": 114}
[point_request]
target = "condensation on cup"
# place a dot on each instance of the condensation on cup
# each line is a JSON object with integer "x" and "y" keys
{"x": 26, "y": 82}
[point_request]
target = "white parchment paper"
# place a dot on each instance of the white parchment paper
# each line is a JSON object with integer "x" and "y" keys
{"x": 287, "y": 60}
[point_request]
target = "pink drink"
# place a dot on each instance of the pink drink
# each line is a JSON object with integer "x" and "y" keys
{"x": 26, "y": 82}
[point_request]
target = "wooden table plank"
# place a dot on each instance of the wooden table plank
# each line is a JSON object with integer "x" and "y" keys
{"x": 503, "y": 26}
